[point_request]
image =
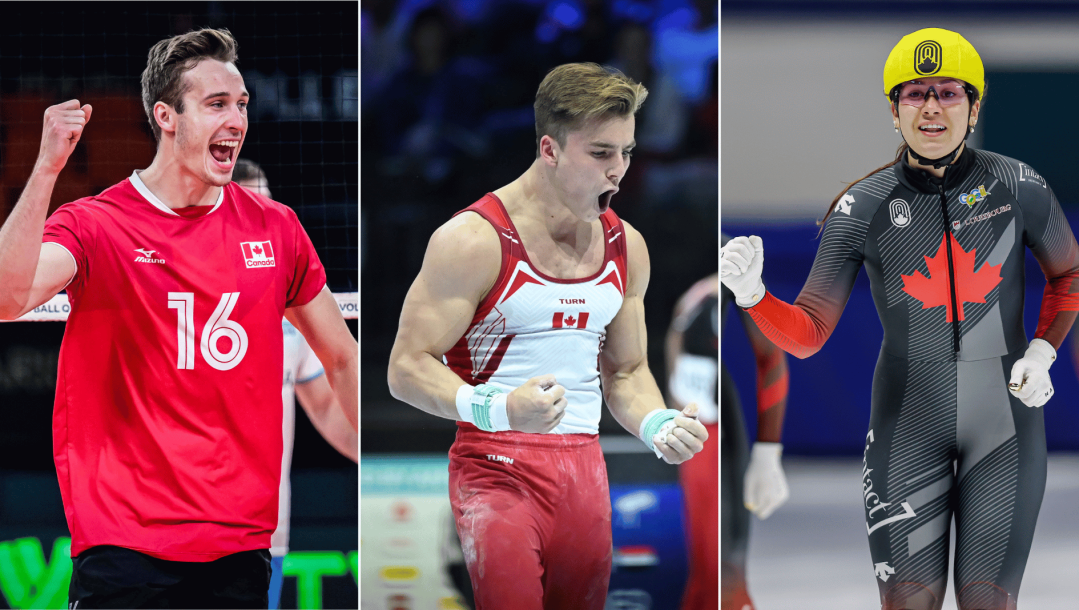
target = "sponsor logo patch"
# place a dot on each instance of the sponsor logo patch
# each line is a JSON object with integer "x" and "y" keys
{"x": 883, "y": 570}
{"x": 927, "y": 58}
{"x": 1026, "y": 174}
{"x": 900, "y": 213}
{"x": 975, "y": 196}
{"x": 988, "y": 215}
{"x": 148, "y": 257}
{"x": 844, "y": 204}
{"x": 873, "y": 502}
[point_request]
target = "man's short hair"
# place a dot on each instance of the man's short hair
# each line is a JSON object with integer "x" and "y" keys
{"x": 247, "y": 170}
{"x": 573, "y": 94}
{"x": 163, "y": 79}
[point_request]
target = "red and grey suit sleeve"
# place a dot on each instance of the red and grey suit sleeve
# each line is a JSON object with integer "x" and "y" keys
{"x": 802, "y": 328}
{"x": 1051, "y": 241}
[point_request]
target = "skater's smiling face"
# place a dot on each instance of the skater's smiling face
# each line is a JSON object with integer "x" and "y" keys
{"x": 932, "y": 114}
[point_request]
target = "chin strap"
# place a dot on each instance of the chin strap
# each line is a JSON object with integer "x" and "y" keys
{"x": 938, "y": 163}
{"x": 946, "y": 159}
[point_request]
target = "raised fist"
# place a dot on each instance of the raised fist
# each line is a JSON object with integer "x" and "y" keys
{"x": 62, "y": 130}
{"x": 740, "y": 267}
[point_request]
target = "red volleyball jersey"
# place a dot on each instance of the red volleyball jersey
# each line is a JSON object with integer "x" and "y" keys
{"x": 167, "y": 423}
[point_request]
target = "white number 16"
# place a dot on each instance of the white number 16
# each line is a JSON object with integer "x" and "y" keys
{"x": 218, "y": 326}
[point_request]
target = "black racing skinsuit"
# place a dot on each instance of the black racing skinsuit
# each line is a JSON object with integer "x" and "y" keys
{"x": 945, "y": 260}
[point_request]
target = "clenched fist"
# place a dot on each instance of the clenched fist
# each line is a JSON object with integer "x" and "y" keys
{"x": 63, "y": 128}
{"x": 685, "y": 439}
{"x": 536, "y": 406}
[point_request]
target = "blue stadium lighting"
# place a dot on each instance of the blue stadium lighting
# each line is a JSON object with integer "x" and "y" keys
{"x": 567, "y": 14}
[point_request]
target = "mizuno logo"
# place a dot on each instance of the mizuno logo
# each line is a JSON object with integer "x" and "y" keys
{"x": 148, "y": 257}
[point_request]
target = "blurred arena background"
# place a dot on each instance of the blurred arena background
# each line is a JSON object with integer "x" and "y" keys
{"x": 300, "y": 62}
{"x": 803, "y": 114}
{"x": 446, "y": 109}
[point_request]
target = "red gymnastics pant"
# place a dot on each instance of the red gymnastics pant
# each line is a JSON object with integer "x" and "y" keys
{"x": 533, "y": 512}
{"x": 700, "y": 487}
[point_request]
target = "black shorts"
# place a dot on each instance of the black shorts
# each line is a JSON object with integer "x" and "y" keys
{"x": 115, "y": 577}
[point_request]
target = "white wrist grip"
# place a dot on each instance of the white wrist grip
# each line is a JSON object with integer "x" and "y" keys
{"x": 483, "y": 406}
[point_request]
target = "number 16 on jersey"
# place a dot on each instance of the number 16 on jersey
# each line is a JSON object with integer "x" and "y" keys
{"x": 219, "y": 326}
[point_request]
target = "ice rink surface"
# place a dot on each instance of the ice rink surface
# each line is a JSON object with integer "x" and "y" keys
{"x": 812, "y": 553}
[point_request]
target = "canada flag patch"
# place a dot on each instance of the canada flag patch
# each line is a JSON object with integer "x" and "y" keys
{"x": 257, "y": 254}
{"x": 567, "y": 320}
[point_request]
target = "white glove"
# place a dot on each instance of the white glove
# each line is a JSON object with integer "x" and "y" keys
{"x": 1030, "y": 381}
{"x": 740, "y": 266}
{"x": 765, "y": 484}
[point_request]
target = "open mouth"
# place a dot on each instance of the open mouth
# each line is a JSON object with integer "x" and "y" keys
{"x": 605, "y": 200}
{"x": 932, "y": 129}
{"x": 224, "y": 152}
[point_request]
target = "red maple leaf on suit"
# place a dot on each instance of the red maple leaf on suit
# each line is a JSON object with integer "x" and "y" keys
{"x": 257, "y": 250}
{"x": 571, "y": 321}
{"x": 970, "y": 286}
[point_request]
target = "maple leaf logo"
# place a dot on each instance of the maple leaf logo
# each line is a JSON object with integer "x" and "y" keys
{"x": 970, "y": 286}
{"x": 571, "y": 321}
{"x": 257, "y": 250}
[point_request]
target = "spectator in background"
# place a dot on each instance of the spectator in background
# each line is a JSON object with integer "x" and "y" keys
{"x": 431, "y": 110}
{"x": 664, "y": 121}
{"x": 692, "y": 353}
{"x": 382, "y": 43}
{"x": 304, "y": 378}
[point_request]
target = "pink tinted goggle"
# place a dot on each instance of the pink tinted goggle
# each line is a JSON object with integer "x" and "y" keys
{"x": 948, "y": 93}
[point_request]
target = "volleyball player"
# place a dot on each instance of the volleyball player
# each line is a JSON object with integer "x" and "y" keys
{"x": 167, "y": 425}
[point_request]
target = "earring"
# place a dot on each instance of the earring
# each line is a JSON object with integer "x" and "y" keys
{"x": 896, "y": 125}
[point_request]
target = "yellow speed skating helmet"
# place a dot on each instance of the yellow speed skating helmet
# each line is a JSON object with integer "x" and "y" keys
{"x": 936, "y": 53}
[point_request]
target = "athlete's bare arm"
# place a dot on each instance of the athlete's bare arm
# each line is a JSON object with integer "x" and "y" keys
{"x": 628, "y": 386}
{"x": 321, "y": 324}
{"x": 318, "y": 401}
{"x": 29, "y": 273}
{"x": 460, "y": 266}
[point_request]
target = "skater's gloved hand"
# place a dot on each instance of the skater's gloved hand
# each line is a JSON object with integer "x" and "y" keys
{"x": 740, "y": 266}
{"x": 765, "y": 484}
{"x": 675, "y": 436}
{"x": 537, "y": 405}
{"x": 1030, "y": 380}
